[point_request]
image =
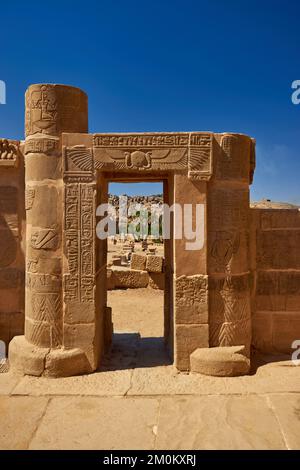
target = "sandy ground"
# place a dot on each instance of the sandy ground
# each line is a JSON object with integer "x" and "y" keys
{"x": 137, "y": 310}
{"x": 137, "y": 400}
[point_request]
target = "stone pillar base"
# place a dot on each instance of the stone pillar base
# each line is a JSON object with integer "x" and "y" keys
{"x": 27, "y": 359}
{"x": 226, "y": 361}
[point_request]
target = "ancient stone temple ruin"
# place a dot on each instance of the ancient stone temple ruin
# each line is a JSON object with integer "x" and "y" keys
{"x": 242, "y": 288}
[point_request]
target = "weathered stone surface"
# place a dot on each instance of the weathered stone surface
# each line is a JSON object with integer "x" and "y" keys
{"x": 66, "y": 362}
{"x": 20, "y": 417}
{"x": 287, "y": 408}
{"x": 278, "y": 249}
{"x": 278, "y": 290}
{"x": 236, "y": 423}
{"x": 138, "y": 262}
{"x": 222, "y": 362}
{"x": 129, "y": 278}
{"x": 25, "y": 358}
{"x": 82, "y": 336}
{"x": 189, "y": 338}
{"x": 286, "y": 329}
{"x": 262, "y": 338}
{"x": 191, "y": 299}
{"x": 154, "y": 264}
{"x": 112, "y": 421}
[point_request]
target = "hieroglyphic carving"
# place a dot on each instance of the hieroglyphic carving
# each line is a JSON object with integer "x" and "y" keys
{"x": 44, "y": 239}
{"x": 191, "y": 299}
{"x": 224, "y": 246}
{"x": 79, "y": 240}
{"x": 200, "y": 156}
{"x": 191, "y": 290}
{"x": 42, "y": 145}
{"x": 9, "y": 152}
{"x": 141, "y": 151}
{"x": 87, "y": 230}
{"x": 141, "y": 140}
{"x": 52, "y": 109}
{"x": 43, "y": 283}
{"x": 32, "y": 265}
{"x": 87, "y": 289}
{"x": 71, "y": 288}
{"x": 41, "y": 110}
{"x": 29, "y": 198}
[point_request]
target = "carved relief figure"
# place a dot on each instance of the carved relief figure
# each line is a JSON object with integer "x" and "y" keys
{"x": 225, "y": 245}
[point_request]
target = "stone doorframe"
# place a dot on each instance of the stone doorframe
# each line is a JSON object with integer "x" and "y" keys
{"x": 67, "y": 322}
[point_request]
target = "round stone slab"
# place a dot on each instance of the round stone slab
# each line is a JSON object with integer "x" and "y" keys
{"x": 227, "y": 361}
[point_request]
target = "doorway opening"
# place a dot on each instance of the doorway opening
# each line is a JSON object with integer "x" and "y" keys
{"x": 138, "y": 276}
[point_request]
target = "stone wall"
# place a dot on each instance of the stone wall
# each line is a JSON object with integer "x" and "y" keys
{"x": 12, "y": 235}
{"x": 275, "y": 264}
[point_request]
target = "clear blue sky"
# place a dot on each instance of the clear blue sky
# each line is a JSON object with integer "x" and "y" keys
{"x": 220, "y": 65}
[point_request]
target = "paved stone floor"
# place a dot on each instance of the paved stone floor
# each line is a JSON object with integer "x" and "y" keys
{"x": 139, "y": 401}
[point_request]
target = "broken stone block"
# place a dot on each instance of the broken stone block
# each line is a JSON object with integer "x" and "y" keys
{"x": 227, "y": 361}
{"x": 130, "y": 278}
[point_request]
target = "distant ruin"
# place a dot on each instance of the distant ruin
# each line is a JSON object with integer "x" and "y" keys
{"x": 240, "y": 292}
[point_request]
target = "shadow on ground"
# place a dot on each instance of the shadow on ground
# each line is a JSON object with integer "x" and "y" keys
{"x": 130, "y": 350}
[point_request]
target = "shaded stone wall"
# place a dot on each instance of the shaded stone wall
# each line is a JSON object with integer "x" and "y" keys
{"x": 12, "y": 227}
{"x": 275, "y": 265}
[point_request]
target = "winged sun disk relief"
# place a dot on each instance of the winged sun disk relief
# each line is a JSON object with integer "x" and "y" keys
{"x": 138, "y": 159}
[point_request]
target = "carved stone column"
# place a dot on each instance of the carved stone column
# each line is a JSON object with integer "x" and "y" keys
{"x": 228, "y": 242}
{"x": 50, "y": 111}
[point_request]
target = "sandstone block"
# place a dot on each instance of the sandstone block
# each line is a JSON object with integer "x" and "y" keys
{"x": 286, "y": 329}
{"x": 191, "y": 299}
{"x": 26, "y": 358}
{"x": 189, "y": 338}
{"x": 154, "y": 264}
{"x": 278, "y": 249}
{"x": 66, "y": 363}
{"x": 130, "y": 278}
{"x": 138, "y": 262}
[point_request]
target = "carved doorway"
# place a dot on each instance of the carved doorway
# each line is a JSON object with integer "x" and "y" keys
{"x": 145, "y": 337}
